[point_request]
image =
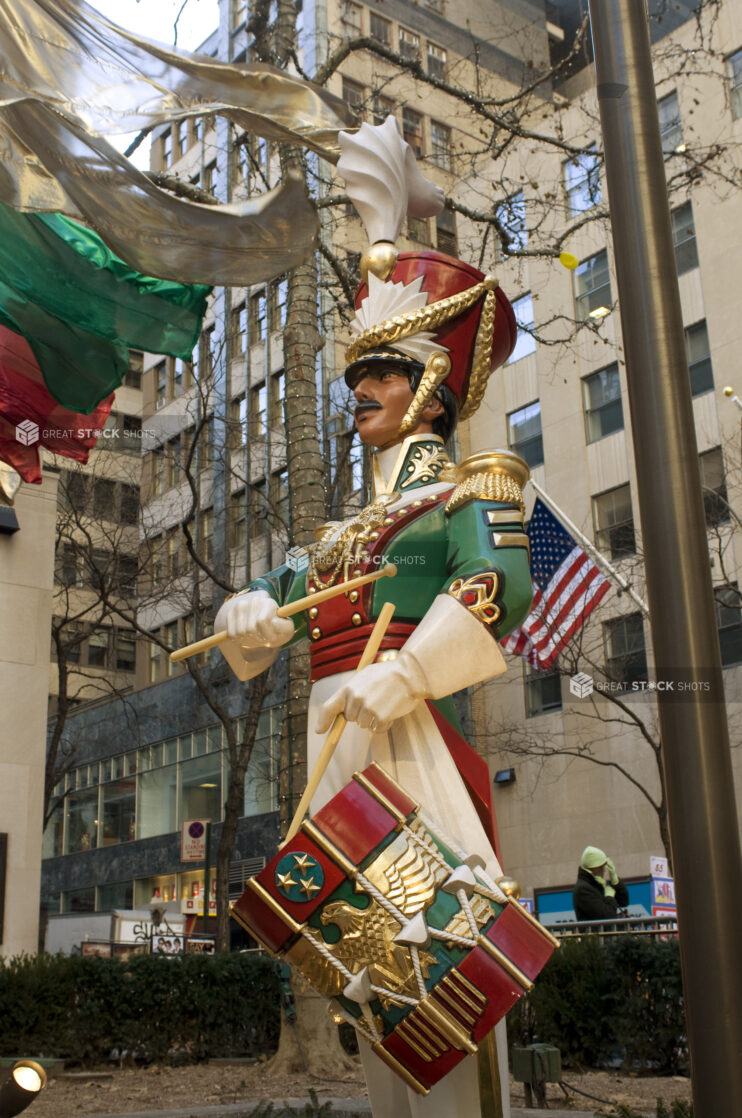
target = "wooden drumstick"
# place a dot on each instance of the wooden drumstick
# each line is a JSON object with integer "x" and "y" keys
{"x": 389, "y": 570}
{"x": 338, "y": 724}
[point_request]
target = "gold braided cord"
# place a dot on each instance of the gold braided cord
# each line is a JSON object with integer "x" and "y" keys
{"x": 486, "y": 486}
{"x": 481, "y": 361}
{"x": 437, "y": 368}
{"x": 414, "y": 322}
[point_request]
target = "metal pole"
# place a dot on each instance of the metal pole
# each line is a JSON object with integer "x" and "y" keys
{"x": 695, "y": 742}
{"x": 207, "y": 877}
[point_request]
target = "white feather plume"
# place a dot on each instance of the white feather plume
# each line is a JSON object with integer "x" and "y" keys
{"x": 384, "y": 301}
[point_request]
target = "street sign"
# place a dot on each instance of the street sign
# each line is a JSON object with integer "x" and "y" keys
{"x": 193, "y": 840}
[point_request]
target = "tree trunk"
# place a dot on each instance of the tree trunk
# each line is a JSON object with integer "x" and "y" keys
{"x": 310, "y": 1043}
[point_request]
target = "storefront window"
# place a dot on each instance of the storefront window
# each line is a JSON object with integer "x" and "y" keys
{"x": 119, "y": 801}
{"x": 157, "y": 800}
{"x": 201, "y": 788}
{"x": 118, "y": 895}
{"x": 82, "y": 820}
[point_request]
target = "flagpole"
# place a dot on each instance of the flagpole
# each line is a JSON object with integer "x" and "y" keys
{"x": 704, "y": 825}
{"x": 590, "y": 548}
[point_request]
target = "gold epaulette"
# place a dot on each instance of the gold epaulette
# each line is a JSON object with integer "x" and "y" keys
{"x": 496, "y": 475}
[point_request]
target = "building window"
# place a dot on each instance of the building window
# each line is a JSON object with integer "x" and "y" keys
{"x": 409, "y": 44}
{"x": 81, "y": 820}
{"x": 161, "y": 384}
{"x": 237, "y": 518}
{"x": 524, "y": 433}
{"x": 729, "y": 622}
{"x": 239, "y": 327}
{"x": 133, "y": 375}
{"x": 98, "y": 649}
{"x": 734, "y": 69}
{"x": 119, "y": 798}
{"x": 259, "y": 411}
{"x": 278, "y": 399}
{"x": 671, "y": 128}
{"x": 601, "y": 399}
{"x": 543, "y": 691}
{"x": 699, "y": 358}
{"x": 412, "y": 130}
{"x": 582, "y": 183}
{"x": 238, "y": 14}
{"x": 208, "y": 181}
{"x": 714, "y": 487}
{"x": 684, "y": 238}
{"x": 167, "y": 148}
{"x": 436, "y": 61}
{"x": 257, "y": 321}
{"x": 613, "y": 522}
{"x": 278, "y": 294}
{"x": 238, "y": 422}
{"x": 153, "y": 663}
{"x": 440, "y": 145}
{"x": 350, "y": 16}
{"x": 511, "y": 217}
{"x": 126, "y": 651}
{"x": 383, "y": 107}
{"x": 257, "y": 521}
{"x": 445, "y": 224}
{"x": 525, "y": 342}
{"x": 417, "y": 230}
{"x": 207, "y": 534}
{"x": 354, "y": 97}
{"x": 381, "y": 29}
{"x": 592, "y": 287}
{"x": 625, "y": 654}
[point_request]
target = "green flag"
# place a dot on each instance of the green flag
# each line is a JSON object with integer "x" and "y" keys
{"x": 80, "y": 307}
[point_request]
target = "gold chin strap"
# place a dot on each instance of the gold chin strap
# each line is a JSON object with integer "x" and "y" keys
{"x": 437, "y": 368}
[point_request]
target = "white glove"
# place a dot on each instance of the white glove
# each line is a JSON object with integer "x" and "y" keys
{"x": 450, "y": 649}
{"x": 256, "y": 632}
{"x": 377, "y": 695}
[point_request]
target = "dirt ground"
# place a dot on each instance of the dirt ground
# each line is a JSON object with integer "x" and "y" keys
{"x": 125, "y": 1090}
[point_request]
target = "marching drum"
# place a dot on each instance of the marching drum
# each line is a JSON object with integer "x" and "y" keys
{"x": 416, "y": 946}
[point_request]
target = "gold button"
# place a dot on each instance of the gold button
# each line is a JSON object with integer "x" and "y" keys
{"x": 357, "y": 619}
{"x": 312, "y": 588}
{"x": 354, "y": 596}
{"x": 316, "y": 633}
{"x": 313, "y": 612}
{"x": 416, "y": 504}
{"x": 357, "y": 572}
{"x": 432, "y": 498}
{"x": 373, "y": 535}
{"x": 389, "y": 520}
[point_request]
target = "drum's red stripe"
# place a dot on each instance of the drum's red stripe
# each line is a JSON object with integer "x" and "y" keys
{"x": 523, "y": 944}
{"x": 355, "y": 822}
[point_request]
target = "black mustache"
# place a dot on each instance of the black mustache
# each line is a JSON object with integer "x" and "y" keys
{"x": 367, "y": 405}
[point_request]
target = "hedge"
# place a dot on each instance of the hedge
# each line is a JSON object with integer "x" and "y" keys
{"x": 600, "y": 1001}
{"x": 593, "y": 999}
{"x": 153, "y": 1008}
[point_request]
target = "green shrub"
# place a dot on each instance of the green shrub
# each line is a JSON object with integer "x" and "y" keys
{"x": 152, "y": 1007}
{"x": 598, "y": 997}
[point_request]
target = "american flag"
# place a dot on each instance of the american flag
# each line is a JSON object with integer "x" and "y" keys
{"x": 567, "y": 587}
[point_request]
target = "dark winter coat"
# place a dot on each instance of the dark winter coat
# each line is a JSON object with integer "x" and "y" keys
{"x": 591, "y": 903}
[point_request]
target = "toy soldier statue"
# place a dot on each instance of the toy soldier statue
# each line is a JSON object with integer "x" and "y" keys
{"x": 428, "y": 332}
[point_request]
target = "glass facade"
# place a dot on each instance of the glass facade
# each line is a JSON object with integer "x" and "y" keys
{"x": 150, "y": 791}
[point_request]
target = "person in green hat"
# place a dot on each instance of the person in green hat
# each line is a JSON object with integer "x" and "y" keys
{"x": 599, "y": 892}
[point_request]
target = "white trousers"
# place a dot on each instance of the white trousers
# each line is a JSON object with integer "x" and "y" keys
{"x": 413, "y": 752}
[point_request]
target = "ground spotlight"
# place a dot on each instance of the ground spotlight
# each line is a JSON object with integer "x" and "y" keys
{"x": 19, "y": 1086}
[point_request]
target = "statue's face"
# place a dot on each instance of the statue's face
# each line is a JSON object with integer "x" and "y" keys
{"x": 382, "y": 398}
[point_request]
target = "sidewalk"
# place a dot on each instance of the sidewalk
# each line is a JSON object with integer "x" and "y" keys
{"x": 341, "y": 1108}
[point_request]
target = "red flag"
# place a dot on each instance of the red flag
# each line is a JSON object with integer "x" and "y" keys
{"x": 30, "y": 417}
